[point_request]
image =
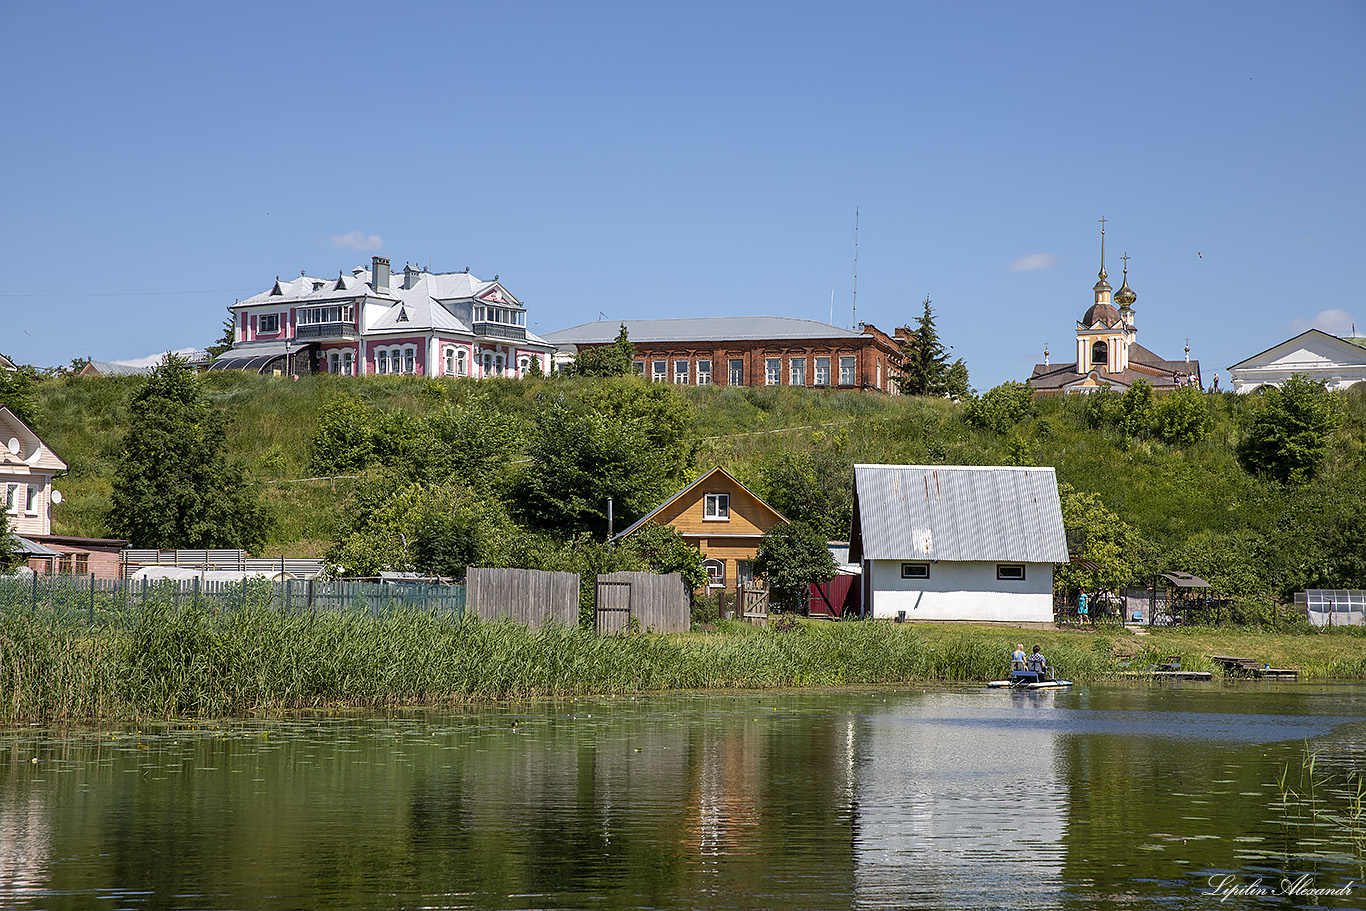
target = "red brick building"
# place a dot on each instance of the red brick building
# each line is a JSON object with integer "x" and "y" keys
{"x": 749, "y": 351}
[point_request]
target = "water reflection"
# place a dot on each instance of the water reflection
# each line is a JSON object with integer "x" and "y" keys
{"x": 920, "y": 799}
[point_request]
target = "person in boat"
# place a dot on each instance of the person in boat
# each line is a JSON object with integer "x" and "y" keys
{"x": 1018, "y": 660}
{"x": 1038, "y": 663}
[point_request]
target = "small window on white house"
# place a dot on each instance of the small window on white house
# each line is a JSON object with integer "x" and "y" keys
{"x": 717, "y": 507}
{"x": 268, "y": 323}
{"x": 31, "y": 501}
{"x": 915, "y": 570}
{"x": 12, "y": 498}
{"x": 1010, "y": 572}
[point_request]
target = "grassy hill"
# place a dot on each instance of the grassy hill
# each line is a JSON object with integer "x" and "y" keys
{"x": 1188, "y": 503}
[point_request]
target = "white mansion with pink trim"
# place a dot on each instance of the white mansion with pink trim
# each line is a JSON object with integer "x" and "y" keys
{"x": 371, "y": 322}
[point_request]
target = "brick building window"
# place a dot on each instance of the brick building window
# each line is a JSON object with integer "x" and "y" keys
{"x": 659, "y": 371}
{"x": 797, "y": 371}
{"x": 681, "y": 373}
{"x": 847, "y": 371}
{"x": 773, "y": 371}
{"x": 822, "y": 377}
{"x": 737, "y": 372}
{"x": 704, "y": 373}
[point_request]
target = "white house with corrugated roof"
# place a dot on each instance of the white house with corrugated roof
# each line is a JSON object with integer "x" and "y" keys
{"x": 374, "y": 322}
{"x": 956, "y": 542}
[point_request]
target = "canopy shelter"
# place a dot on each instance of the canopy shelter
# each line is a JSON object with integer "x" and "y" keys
{"x": 1179, "y": 597}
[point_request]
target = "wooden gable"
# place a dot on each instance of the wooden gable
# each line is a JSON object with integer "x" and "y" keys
{"x": 746, "y": 514}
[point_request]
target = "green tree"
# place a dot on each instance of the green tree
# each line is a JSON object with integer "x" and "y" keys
{"x": 225, "y": 341}
{"x": 791, "y": 557}
{"x": 586, "y": 452}
{"x": 1000, "y": 409}
{"x": 814, "y": 487}
{"x": 1137, "y": 407}
{"x": 9, "y": 545}
{"x": 925, "y": 360}
{"x": 606, "y": 360}
{"x": 664, "y": 550}
{"x": 1288, "y": 435}
{"x": 1103, "y": 409}
{"x": 1112, "y": 552}
{"x": 344, "y": 440}
{"x": 956, "y": 383}
{"x": 18, "y": 393}
{"x": 1182, "y": 417}
{"x": 175, "y": 486}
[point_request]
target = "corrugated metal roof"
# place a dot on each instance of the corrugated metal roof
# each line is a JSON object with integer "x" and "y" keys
{"x": 699, "y": 329}
{"x": 955, "y": 512}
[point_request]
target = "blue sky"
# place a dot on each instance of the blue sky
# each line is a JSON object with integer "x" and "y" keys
{"x": 644, "y": 160}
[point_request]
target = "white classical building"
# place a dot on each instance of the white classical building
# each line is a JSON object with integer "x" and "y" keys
{"x": 371, "y": 322}
{"x": 955, "y": 542}
{"x": 1338, "y": 363}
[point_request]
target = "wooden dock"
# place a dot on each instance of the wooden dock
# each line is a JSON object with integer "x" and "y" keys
{"x": 1251, "y": 667}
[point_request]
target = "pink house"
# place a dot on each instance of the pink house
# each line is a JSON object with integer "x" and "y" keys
{"x": 27, "y": 469}
{"x": 373, "y": 322}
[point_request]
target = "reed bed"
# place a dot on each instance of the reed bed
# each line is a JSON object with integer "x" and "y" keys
{"x": 196, "y": 659}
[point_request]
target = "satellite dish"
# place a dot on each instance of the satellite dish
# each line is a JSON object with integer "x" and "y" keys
{"x": 13, "y": 445}
{"x": 56, "y": 496}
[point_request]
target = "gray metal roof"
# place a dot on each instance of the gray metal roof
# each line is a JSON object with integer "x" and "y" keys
{"x": 956, "y": 512}
{"x": 698, "y": 329}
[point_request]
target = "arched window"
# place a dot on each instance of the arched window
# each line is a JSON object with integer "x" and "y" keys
{"x": 382, "y": 360}
{"x": 450, "y": 361}
{"x": 347, "y": 366}
{"x": 460, "y": 368}
{"x": 523, "y": 365}
{"x": 334, "y": 363}
{"x": 716, "y": 573}
{"x": 1100, "y": 355}
{"x": 410, "y": 360}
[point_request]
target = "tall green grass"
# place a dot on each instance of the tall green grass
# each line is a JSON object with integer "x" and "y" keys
{"x": 196, "y": 660}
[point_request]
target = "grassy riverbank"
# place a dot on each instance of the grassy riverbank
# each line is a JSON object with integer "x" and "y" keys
{"x": 192, "y": 663}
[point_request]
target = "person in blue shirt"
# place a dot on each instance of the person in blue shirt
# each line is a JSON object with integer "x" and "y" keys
{"x": 1017, "y": 660}
{"x": 1083, "y": 616}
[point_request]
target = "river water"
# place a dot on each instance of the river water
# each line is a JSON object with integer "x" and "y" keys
{"x": 1107, "y": 796}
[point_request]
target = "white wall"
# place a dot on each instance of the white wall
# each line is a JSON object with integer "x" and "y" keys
{"x": 961, "y": 591}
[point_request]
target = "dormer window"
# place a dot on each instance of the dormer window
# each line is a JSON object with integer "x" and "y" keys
{"x": 716, "y": 507}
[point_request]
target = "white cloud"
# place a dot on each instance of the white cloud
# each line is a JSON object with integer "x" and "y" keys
{"x": 355, "y": 240}
{"x": 1034, "y": 261}
{"x": 1334, "y": 322}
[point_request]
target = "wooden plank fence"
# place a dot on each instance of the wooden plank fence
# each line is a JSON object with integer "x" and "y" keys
{"x": 658, "y": 603}
{"x": 528, "y": 596}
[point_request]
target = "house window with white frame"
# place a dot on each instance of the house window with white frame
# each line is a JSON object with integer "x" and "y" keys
{"x": 915, "y": 570}
{"x": 704, "y": 373}
{"x": 268, "y": 324}
{"x": 681, "y": 369}
{"x": 659, "y": 371}
{"x": 737, "y": 372}
{"x": 773, "y": 371}
{"x": 638, "y": 368}
{"x": 1010, "y": 572}
{"x": 410, "y": 361}
{"x": 847, "y": 371}
{"x": 348, "y": 364}
{"x": 382, "y": 361}
{"x": 12, "y": 499}
{"x": 334, "y": 363}
{"x": 461, "y": 368}
{"x": 797, "y": 371}
{"x": 31, "y": 501}
{"x": 822, "y": 377}
{"x": 523, "y": 365}
{"x": 716, "y": 507}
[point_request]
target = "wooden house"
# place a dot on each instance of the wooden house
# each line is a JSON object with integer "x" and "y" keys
{"x": 723, "y": 518}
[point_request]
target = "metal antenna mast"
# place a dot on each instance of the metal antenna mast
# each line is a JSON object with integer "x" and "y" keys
{"x": 853, "y": 309}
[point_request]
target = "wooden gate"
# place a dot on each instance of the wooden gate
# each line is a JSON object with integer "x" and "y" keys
{"x": 611, "y": 607}
{"x": 753, "y": 607}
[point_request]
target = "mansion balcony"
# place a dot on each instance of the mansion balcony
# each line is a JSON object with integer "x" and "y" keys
{"x": 325, "y": 331}
{"x": 499, "y": 330}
